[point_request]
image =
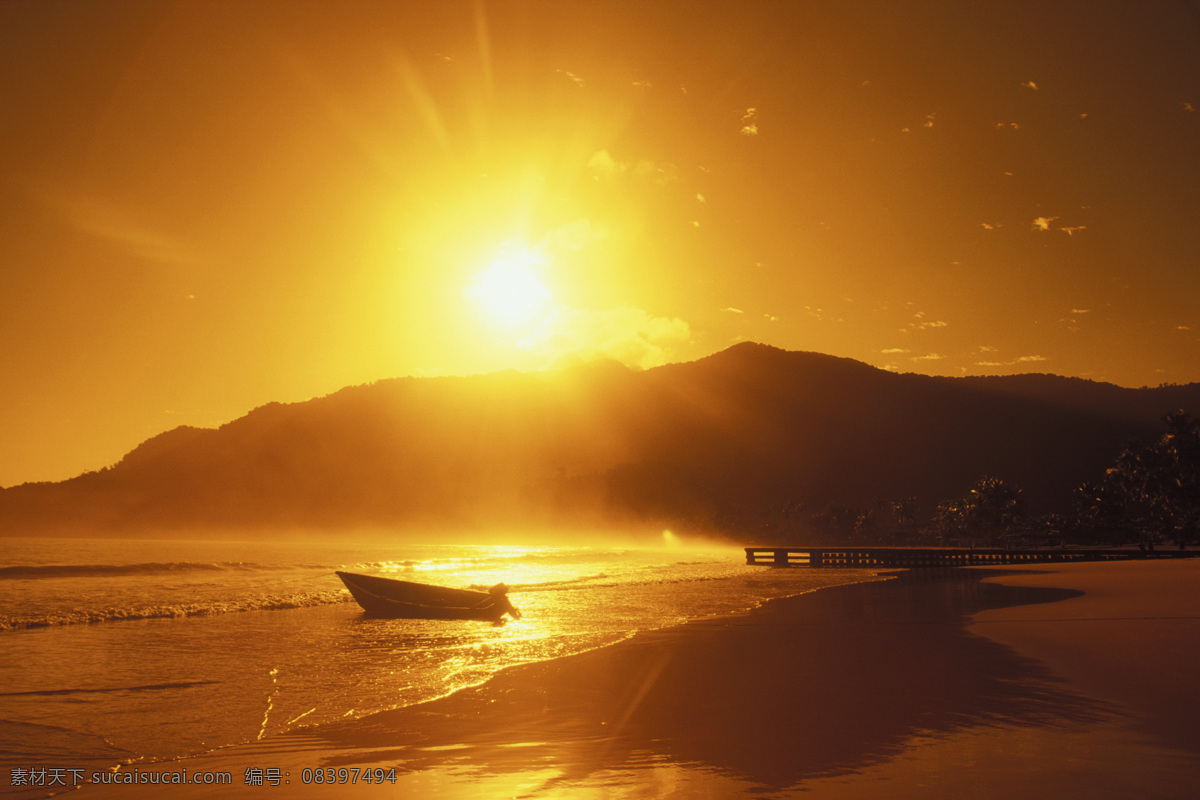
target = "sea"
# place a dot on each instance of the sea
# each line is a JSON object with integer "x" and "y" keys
{"x": 139, "y": 652}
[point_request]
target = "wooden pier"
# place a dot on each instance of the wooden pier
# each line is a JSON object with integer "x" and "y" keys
{"x": 938, "y": 556}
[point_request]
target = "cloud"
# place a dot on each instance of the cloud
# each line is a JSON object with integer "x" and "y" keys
{"x": 1043, "y": 224}
{"x": 750, "y": 122}
{"x": 1015, "y": 362}
{"x": 733, "y": 310}
{"x": 121, "y": 229}
{"x": 1081, "y": 311}
{"x": 821, "y": 314}
{"x": 922, "y": 324}
{"x": 578, "y": 81}
{"x": 1030, "y": 85}
{"x": 929, "y": 357}
{"x": 629, "y": 335}
{"x": 891, "y": 350}
{"x": 603, "y": 166}
{"x": 928, "y": 123}
{"x": 573, "y": 236}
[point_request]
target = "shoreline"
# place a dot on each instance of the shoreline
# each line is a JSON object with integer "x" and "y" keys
{"x": 1133, "y": 637}
{"x": 917, "y": 686}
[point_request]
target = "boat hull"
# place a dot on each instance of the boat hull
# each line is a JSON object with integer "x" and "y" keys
{"x": 393, "y": 599}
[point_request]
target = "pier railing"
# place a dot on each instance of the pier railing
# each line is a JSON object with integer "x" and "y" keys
{"x": 937, "y": 556}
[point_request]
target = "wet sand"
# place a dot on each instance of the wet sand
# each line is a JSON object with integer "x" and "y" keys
{"x": 1064, "y": 681}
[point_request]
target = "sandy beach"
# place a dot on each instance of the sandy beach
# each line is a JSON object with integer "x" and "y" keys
{"x": 1048, "y": 681}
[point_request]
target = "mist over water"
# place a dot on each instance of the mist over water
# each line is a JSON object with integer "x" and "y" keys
{"x": 132, "y": 651}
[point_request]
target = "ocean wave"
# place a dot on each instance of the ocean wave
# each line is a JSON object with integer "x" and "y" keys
{"x": 549, "y": 586}
{"x": 46, "y": 571}
{"x": 490, "y": 558}
{"x": 145, "y": 687}
{"x": 259, "y": 603}
{"x": 283, "y": 602}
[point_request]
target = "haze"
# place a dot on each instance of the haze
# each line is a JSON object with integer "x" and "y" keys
{"x": 208, "y": 206}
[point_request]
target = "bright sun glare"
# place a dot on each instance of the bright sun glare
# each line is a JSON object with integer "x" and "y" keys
{"x": 509, "y": 290}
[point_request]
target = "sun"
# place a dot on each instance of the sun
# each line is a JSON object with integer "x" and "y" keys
{"x": 509, "y": 291}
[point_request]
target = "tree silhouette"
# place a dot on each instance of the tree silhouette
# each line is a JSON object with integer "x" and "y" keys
{"x": 904, "y": 518}
{"x": 838, "y": 523}
{"x": 987, "y": 515}
{"x": 1156, "y": 488}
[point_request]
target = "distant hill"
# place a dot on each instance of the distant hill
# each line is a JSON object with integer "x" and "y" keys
{"x": 705, "y": 444}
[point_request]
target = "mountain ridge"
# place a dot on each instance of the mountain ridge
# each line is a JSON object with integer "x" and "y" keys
{"x": 708, "y": 444}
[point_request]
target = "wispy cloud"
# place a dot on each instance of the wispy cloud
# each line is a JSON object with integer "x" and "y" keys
{"x": 929, "y": 357}
{"x": 123, "y": 230}
{"x": 578, "y": 81}
{"x": 750, "y": 122}
{"x": 604, "y": 167}
{"x": 1044, "y": 224}
{"x": 822, "y": 314}
{"x": 928, "y": 123}
{"x": 1012, "y": 363}
{"x": 923, "y": 323}
{"x": 1030, "y": 85}
{"x": 893, "y": 350}
{"x": 989, "y": 358}
{"x": 733, "y": 310}
{"x": 572, "y": 236}
{"x": 629, "y": 335}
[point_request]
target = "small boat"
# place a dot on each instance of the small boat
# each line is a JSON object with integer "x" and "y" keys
{"x": 385, "y": 597}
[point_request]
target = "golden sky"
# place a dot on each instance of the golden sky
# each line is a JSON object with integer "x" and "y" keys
{"x": 211, "y": 205}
